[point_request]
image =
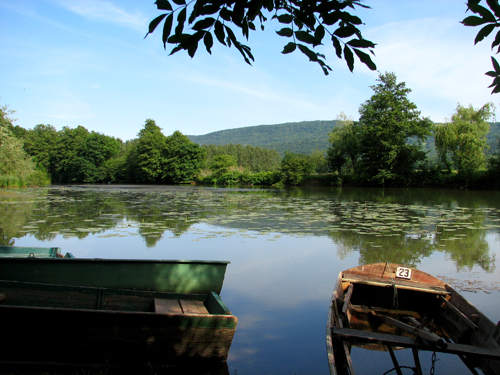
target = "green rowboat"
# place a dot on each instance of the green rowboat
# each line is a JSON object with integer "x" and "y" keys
{"x": 85, "y": 326}
{"x": 175, "y": 276}
{"x": 39, "y": 252}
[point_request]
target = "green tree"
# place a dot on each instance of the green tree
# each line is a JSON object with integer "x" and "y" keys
{"x": 295, "y": 168}
{"x": 66, "y": 168}
{"x": 253, "y": 158}
{"x": 345, "y": 145}
{"x": 148, "y": 158}
{"x": 461, "y": 143}
{"x": 14, "y": 160}
{"x": 319, "y": 160}
{"x": 494, "y": 167}
{"x": 182, "y": 159}
{"x": 221, "y": 164}
{"x": 41, "y": 143}
{"x": 387, "y": 123}
{"x": 90, "y": 163}
{"x": 306, "y": 23}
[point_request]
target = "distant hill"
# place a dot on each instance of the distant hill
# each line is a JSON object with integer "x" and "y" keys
{"x": 299, "y": 137}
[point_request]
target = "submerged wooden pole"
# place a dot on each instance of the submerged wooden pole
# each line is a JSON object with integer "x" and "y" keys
{"x": 418, "y": 368}
{"x": 394, "y": 360}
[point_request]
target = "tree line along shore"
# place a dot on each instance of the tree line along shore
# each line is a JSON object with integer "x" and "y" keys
{"x": 387, "y": 146}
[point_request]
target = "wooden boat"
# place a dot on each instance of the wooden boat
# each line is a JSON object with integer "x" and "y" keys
{"x": 38, "y": 252}
{"x": 86, "y": 326}
{"x": 176, "y": 276}
{"x": 387, "y": 306}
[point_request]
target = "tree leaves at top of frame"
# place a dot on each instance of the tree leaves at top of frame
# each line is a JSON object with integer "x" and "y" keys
{"x": 490, "y": 21}
{"x": 496, "y": 75}
{"x": 307, "y": 21}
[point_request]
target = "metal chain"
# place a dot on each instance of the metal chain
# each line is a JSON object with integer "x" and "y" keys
{"x": 433, "y": 363}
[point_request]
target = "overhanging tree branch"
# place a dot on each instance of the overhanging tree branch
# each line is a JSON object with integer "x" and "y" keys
{"x": 489, "y": 21}
{"x": 307, "y": 22}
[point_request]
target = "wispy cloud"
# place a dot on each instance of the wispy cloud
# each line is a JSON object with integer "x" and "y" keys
{"x": 105, "y": 11}
{"x": 68, "y": 108}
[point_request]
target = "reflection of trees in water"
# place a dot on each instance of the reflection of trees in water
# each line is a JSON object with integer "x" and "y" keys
{"x": 371, "y": 221}
{"x": 448, "y": 198}
{"x": 374, "y": 249}
{"x": 458, "y": 232}
{"x": 76, "y": 212}
{"x": 16, "y": 211}
{"x": 469, "y": 250}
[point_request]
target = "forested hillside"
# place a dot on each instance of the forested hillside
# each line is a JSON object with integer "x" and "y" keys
{"x": 302, "y": 137}
{"x": 298, "y": 137}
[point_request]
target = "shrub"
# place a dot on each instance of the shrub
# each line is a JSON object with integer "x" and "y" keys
{"x": 37, "y": 178}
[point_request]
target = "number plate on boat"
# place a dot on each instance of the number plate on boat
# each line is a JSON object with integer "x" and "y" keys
{"x": 403, "y": 273}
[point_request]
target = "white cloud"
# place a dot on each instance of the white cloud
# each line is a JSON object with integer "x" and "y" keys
{"x": 105, "y": 11}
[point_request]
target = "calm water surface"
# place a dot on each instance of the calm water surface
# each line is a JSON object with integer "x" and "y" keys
{"x": 286, "y": 249}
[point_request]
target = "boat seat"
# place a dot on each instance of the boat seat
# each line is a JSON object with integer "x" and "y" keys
{"x": 179, "y": 306}
{"x": 400, "y": 284}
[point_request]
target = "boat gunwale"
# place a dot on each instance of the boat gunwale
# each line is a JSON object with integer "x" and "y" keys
{"x": 118, "y": 312}
{"x": 329, "y": 324}
{"x": 109, "y": 260}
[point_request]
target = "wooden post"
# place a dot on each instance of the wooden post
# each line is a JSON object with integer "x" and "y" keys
{"x": 347, "y": 299}
{"x": 418, "y": 368}
{"x": 394, "y": 360}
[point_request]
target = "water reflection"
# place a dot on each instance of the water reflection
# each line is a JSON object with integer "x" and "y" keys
{"x": 396, "y": 225}
{"x": 286, "y": 249}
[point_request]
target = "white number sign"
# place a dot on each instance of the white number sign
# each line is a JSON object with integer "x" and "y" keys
{"x": 403, "y": 273}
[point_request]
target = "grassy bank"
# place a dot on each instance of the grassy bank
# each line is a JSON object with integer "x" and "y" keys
{"x": 37, "y": 178}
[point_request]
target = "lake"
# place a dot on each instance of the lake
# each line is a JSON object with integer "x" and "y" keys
{"x": 286, "y": 248}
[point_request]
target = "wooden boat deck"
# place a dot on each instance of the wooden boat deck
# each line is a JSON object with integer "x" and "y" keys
{"x": 179, "y": 306}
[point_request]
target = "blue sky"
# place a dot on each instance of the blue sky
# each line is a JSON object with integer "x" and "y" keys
{"x": 86, "y": 62}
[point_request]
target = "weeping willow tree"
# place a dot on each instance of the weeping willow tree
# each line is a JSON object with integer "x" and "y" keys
{"x": 461, "y": 143}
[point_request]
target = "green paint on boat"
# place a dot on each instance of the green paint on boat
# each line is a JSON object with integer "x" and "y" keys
{"x": 176, "y": 276}
{"x": 20, "y": 251}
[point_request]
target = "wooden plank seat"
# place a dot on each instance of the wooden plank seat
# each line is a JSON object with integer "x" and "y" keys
{"x": 179, "y": 306}
{"x": 398, "y": 283}
{"x": 355, "y": 335}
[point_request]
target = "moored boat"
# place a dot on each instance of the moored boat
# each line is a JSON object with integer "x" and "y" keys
{"x": 176, "y": 276}
{"x": 87, "y": 326}
{"x": 24, "y": 251}
{"x": 386, "y": 306}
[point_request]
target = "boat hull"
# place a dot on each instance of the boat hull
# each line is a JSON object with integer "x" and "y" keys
{"x": 22, "y": 251}
{"x": 82, "y": 326}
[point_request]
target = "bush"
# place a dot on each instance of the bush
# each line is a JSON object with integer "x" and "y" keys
{"x": 238, "y": 176}
{"x": 37, "y": 178}
{"x": 261, "y": 178}
{"x": 295, "y": 168}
